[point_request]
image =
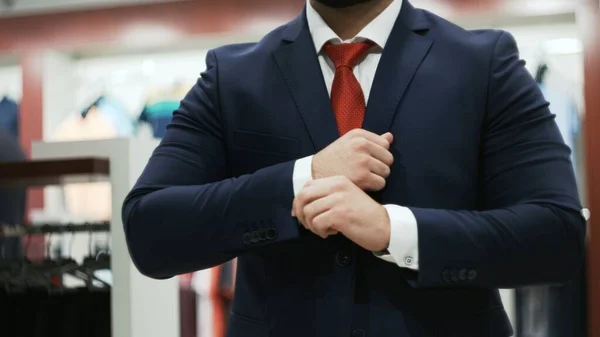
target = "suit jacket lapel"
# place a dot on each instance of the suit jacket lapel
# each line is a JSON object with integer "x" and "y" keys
{"x": 299, "y": 65}
{"x": 401, "y": 58}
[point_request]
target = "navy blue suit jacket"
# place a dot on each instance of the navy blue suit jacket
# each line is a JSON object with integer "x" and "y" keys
{"x": 478, "y": 159}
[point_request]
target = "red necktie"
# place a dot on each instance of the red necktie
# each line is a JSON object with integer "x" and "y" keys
{"x": 347, "y": 98}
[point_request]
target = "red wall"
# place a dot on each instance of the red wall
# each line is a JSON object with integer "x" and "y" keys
{"x": 592, "y": 143}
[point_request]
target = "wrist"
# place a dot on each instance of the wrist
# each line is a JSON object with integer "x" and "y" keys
{"x": 387, "y": 233}
{"x": 314, "y": 169}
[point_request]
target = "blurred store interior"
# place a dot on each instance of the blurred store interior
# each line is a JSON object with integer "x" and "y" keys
{"x": 108, "y": 70}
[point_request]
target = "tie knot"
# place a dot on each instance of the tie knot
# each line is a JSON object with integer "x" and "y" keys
{"x": 347, "y": 54}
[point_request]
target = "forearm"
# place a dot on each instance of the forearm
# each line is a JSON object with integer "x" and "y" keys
{"x": 503, "y": 248}
{"x": 179, "y": 229}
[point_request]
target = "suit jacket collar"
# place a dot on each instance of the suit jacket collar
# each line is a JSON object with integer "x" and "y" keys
{"x": 400, "y": 60}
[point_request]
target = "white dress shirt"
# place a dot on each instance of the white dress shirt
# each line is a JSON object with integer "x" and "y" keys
{"x": 404, "y": 241}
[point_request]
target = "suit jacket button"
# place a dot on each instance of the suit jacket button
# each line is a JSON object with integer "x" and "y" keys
{"x": 247, "y": 238}
{"x": 255, "y": 238}
{"x": 472, "y": 275}
{"x": 446, "y": 275}
{"x": 271, "y": 234}
{"x": 454, "y": 275}
{"x": 358, "y": 333}
{"x": 462, "y": 275}
{"x": 342, "y": 258}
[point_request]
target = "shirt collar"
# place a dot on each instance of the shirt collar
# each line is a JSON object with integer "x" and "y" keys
{"x": 378, "y": 30}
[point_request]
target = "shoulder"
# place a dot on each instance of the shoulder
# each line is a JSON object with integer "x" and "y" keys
{"x": 478, "y": 42}
{"x": 243, "y": 53}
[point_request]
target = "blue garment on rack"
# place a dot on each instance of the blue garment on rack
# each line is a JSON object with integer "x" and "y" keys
{"x": 116, "y": 114}
{"x": 12, "y": 199}
{"x": 9, "y": 117}
{"x": 159, "y": 115}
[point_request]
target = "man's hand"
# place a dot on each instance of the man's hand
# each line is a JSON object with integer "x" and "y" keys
{"x": 331, "y": 205}
{"x": 360, "y": 155}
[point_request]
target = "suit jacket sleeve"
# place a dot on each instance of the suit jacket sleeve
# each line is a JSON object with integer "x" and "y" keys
{"x": 529, "y": 229}
{"x": 186, "y": 212}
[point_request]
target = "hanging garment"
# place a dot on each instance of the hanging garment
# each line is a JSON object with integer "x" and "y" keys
{"x": 160, "y": 106}
{"x": 12, "y": 199}
{"x": 214, "y": 289}
{"x": 36, "y": 313}
{"x": 9, "y": 117}
{"x": 158, "y": 116}
{"x": 210, "y": 312}
{"x": 116, "y": 114}
{"x": 187, "y": 306}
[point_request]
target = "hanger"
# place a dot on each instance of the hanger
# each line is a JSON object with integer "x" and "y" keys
{"x": 541, "y": 72}
{"x": 20, "y": 275}
{"x": 90, "y": 264}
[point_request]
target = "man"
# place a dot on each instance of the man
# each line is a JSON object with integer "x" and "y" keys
{"x": 12, "y": 199}
{"x": 459, "y": 183}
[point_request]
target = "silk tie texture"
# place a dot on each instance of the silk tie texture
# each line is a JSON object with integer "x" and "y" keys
{"x": 347, "y": 97}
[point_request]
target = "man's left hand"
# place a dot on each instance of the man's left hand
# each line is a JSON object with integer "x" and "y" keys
{"x": 335, "y": 205}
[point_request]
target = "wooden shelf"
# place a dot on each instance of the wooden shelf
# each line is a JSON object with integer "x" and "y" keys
{"x": 54, "y": 172}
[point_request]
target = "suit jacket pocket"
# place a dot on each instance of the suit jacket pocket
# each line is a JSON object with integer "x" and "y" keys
{"x": 244, "y": 326}
{"x": 265, "y": 142}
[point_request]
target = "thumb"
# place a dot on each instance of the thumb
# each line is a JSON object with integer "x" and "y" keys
{"x": 388, "y": 136}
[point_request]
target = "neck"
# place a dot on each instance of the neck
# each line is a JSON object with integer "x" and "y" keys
{"x": 348, "y": 22}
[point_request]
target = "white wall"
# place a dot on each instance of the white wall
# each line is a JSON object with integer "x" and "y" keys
{"x": 560, "y": 46}
{"x": 58, "y": 86}
{"x": 127, "y": 78}
{"x": 11, "y": 82}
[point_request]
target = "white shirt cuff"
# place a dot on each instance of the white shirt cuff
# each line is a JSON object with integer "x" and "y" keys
{"x": 302, "y": 173}
{"x": 404, "y": 238}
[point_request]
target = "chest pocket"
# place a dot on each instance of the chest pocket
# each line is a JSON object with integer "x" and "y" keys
{"x": 262, "y": 142}
{"x": 251, "y": 151}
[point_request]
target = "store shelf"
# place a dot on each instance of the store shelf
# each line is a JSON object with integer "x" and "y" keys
{"x": 54, "y": 172}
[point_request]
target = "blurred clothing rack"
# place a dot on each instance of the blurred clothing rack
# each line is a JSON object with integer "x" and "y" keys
{"x": 119, "y": 161}
{"x": 19, "y": 230}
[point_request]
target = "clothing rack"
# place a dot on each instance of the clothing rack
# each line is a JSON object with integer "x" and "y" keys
{"x": 140, "y": 306}
{"x": 11, "y": 231}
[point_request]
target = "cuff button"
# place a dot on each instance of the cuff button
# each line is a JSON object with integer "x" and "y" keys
{"x": 271, "y": 234}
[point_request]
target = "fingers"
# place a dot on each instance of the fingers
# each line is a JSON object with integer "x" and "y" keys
{"x": 323, "y": 223}
{"x": 380, "y": 153}
{"x": 314, "y": 190}
{"x": 388, "y": 137}
{"x": 379, "y": 168}
{"x": 374, "y": 183}
{"x": 315, "y": 209}
{"x": 372, "y": 137}
{"x": 375, "y": 145}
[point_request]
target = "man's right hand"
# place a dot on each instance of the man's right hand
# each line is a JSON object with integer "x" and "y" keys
{"x": 360, "y": 155}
